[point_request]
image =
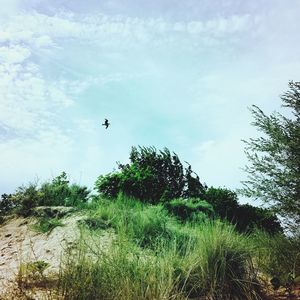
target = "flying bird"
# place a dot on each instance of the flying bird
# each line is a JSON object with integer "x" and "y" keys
{"x": 106, "y": 124}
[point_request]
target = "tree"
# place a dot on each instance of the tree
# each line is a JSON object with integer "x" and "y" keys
{"x": 274, "y": 158}
{"x": 151, "y": 176}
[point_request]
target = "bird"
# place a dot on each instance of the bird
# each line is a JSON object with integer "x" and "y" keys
{"x": 106, "y": 124}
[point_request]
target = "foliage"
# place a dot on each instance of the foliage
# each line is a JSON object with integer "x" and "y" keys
{"x": 277, "y": 255}
{"x": 151, "y": 176}
{"x": 216, "y": 264}
{"x": 145, "y": 225}
{"x": 46, "y": 225}
{"x": 6, "y": 204}
{"x": 273, "y": 170}
{"x": 221, "y": 266}
{"x": 190, "y": 209}
{"x": 58, "y": 192}
{"x": 25, "y": 199}
{"x": 246, "y": 217}
{"x": 32, "y": 274}
{"x": 224, "y": 202}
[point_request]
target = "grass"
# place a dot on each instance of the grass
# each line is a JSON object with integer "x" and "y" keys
{"x": 46, "y": 224}
{"x": 156, "y": 257}
{"x": 277, "y": 256}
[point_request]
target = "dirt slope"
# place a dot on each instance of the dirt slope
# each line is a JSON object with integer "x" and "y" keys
{"x": 20, "y": 244}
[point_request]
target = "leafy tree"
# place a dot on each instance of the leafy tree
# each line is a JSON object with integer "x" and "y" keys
{"x": 152, "y": 176}
{"x": 274, "y": 158}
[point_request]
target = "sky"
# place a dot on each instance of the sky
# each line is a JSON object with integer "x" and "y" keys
{"x": 166, "y": 73}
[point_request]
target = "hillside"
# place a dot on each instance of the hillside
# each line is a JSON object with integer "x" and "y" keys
{"x": 21, "y": 245}
{"x": 151, "y": 257}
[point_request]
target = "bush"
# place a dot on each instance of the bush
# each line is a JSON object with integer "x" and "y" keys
{"x": 6, "y": 204}
{"x": 151, "y": 176}
{"x": 189, "y": 209}
{"x": 25, "y": 199}
{"x": 58, "y": 192}
{"x": 246, "y": 217}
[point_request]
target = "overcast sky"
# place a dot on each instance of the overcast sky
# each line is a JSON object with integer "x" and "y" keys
{"x": 166, "y": 73}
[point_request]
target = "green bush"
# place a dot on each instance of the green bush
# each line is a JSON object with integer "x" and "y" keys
{"x": 189, "y": 209}
{"x": 25, "y": 199}
{"x": 58, "y": 192}
{"x": 6, "y": 204}
{"x": 245, "y": 217}
{"x": 151, "y": 176}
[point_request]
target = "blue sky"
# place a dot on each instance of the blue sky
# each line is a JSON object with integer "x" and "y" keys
{"x": 176, "y": 74}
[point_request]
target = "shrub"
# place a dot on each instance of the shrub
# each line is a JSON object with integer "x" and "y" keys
{"x": 25, "y": 199}
{"x": 246, "y": 217}
{"x": 58, "y": 192}
{"x": 151, "y": 176}
{"x": 6, "y": 204}
{"x": 189, "y": 209}
{"x": 224, "y": 201}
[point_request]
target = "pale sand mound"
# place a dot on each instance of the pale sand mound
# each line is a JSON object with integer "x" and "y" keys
{"x": 20, "y": 244}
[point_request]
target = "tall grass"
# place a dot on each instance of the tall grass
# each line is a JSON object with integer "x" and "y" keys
{"x": 277, "y": 255}
{"x": 154, "y": 257}
{"x": 123, "y": 272}
{"x": 221, "y": 265}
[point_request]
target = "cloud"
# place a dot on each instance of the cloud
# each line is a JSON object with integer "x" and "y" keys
{"x": 166, "y": 73}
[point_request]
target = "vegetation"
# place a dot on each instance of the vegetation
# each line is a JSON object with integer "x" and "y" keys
{"x": 183, "y": 241}
{"x": 277, "y": 255}
{"x": 190, "y": 209}
{"x": 46, "y": 224}
{"x": 151, "y": 176}
{"x": 58, "y": 192}
{"x": 159, "y": 177}
{"x": 273, "y": 170}
{"x": 246, "y": 217}
{"x": 156, "y": 257}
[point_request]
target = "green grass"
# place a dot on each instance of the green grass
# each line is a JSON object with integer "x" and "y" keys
{"x": 46, "y": 224}
{"x": 156, "y": 257}
{"x": 277, "y": 255}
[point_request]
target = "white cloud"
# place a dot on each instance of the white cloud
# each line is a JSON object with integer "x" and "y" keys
{"x": 14, "y": 54}
{"x": 192, "y": 77}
